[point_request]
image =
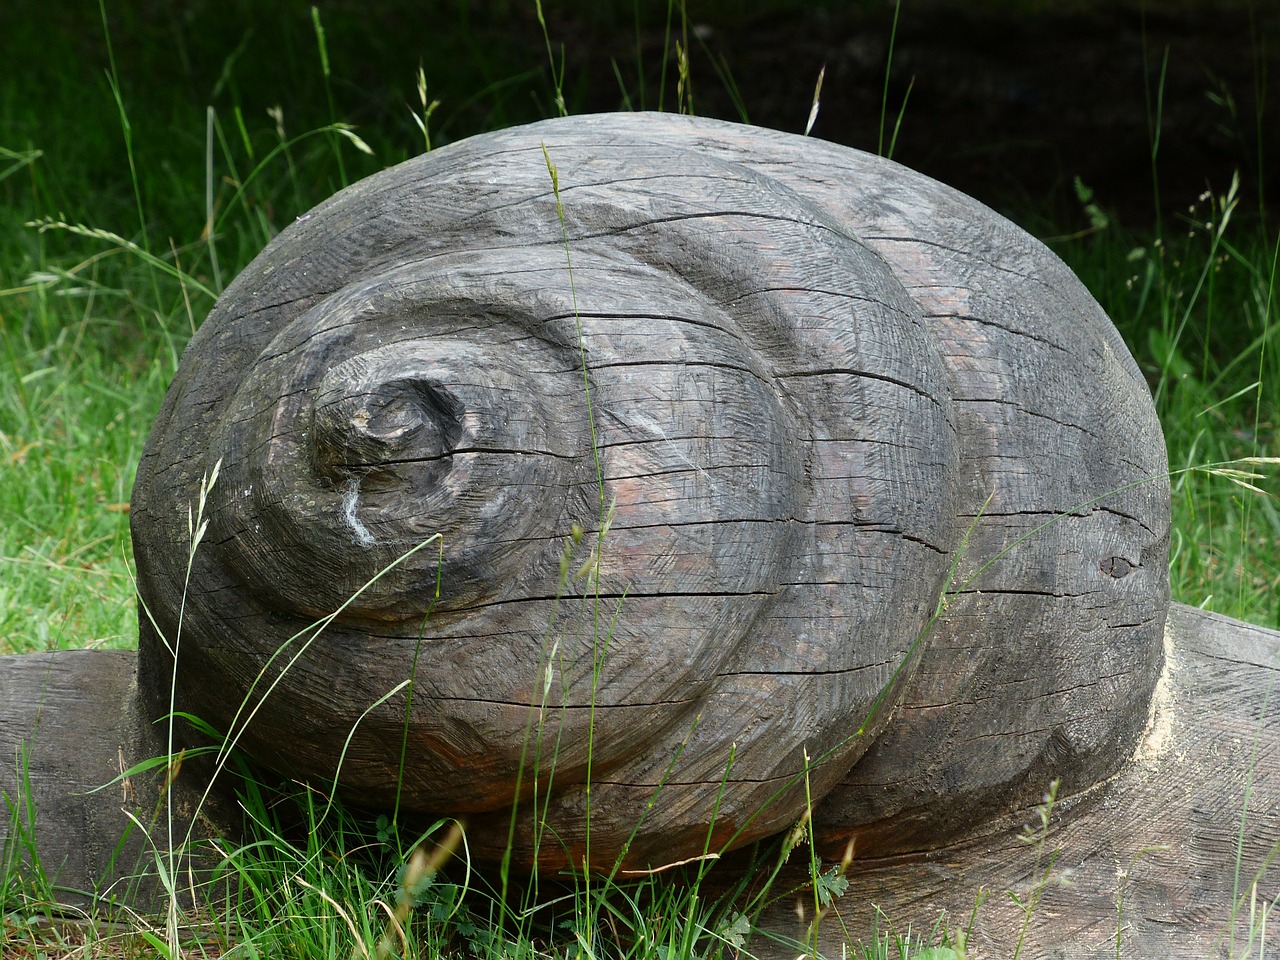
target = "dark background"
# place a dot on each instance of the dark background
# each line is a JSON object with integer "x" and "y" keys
{"x": 1009, "y": 101}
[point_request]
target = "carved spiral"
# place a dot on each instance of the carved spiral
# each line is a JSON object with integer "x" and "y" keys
{"x": 796, "y": 401}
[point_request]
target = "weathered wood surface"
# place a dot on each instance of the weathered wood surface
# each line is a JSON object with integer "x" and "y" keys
{"x": 1148, "y": 858}
{"x": 797, "y": 399}
{"x": 816, "y": 380}
{"x": 1151, "y": 853}
{"x": 70, "y": 724}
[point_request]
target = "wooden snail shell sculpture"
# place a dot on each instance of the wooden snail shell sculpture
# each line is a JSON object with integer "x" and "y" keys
{"x": 668, "y": 480}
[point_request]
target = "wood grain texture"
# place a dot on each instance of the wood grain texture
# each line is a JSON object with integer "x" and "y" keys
{"x": 1145, "y": 862}
{"x": 822, "y": 393}
{"x": 1149, "y": 854}
{"x": 70, "y": 724}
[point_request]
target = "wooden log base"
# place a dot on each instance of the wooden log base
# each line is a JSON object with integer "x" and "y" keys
{"x": 1148, "y": 857}
{"x": 70, "y": 724}
{"x": 1151, "y": 854}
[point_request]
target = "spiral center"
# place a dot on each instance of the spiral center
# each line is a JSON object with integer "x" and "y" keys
{"x": 368, "y": 417}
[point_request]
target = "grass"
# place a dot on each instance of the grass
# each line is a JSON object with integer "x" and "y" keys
{"x": 179, "y": 184}
{"x": 1198, "y": 306}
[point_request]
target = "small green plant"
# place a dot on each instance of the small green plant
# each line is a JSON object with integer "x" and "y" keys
{"x": 422, "y": 120}
{"x": 1037, "y": 835}
{"x": 26, "y": 884}
{"x": 884, "y": 95}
